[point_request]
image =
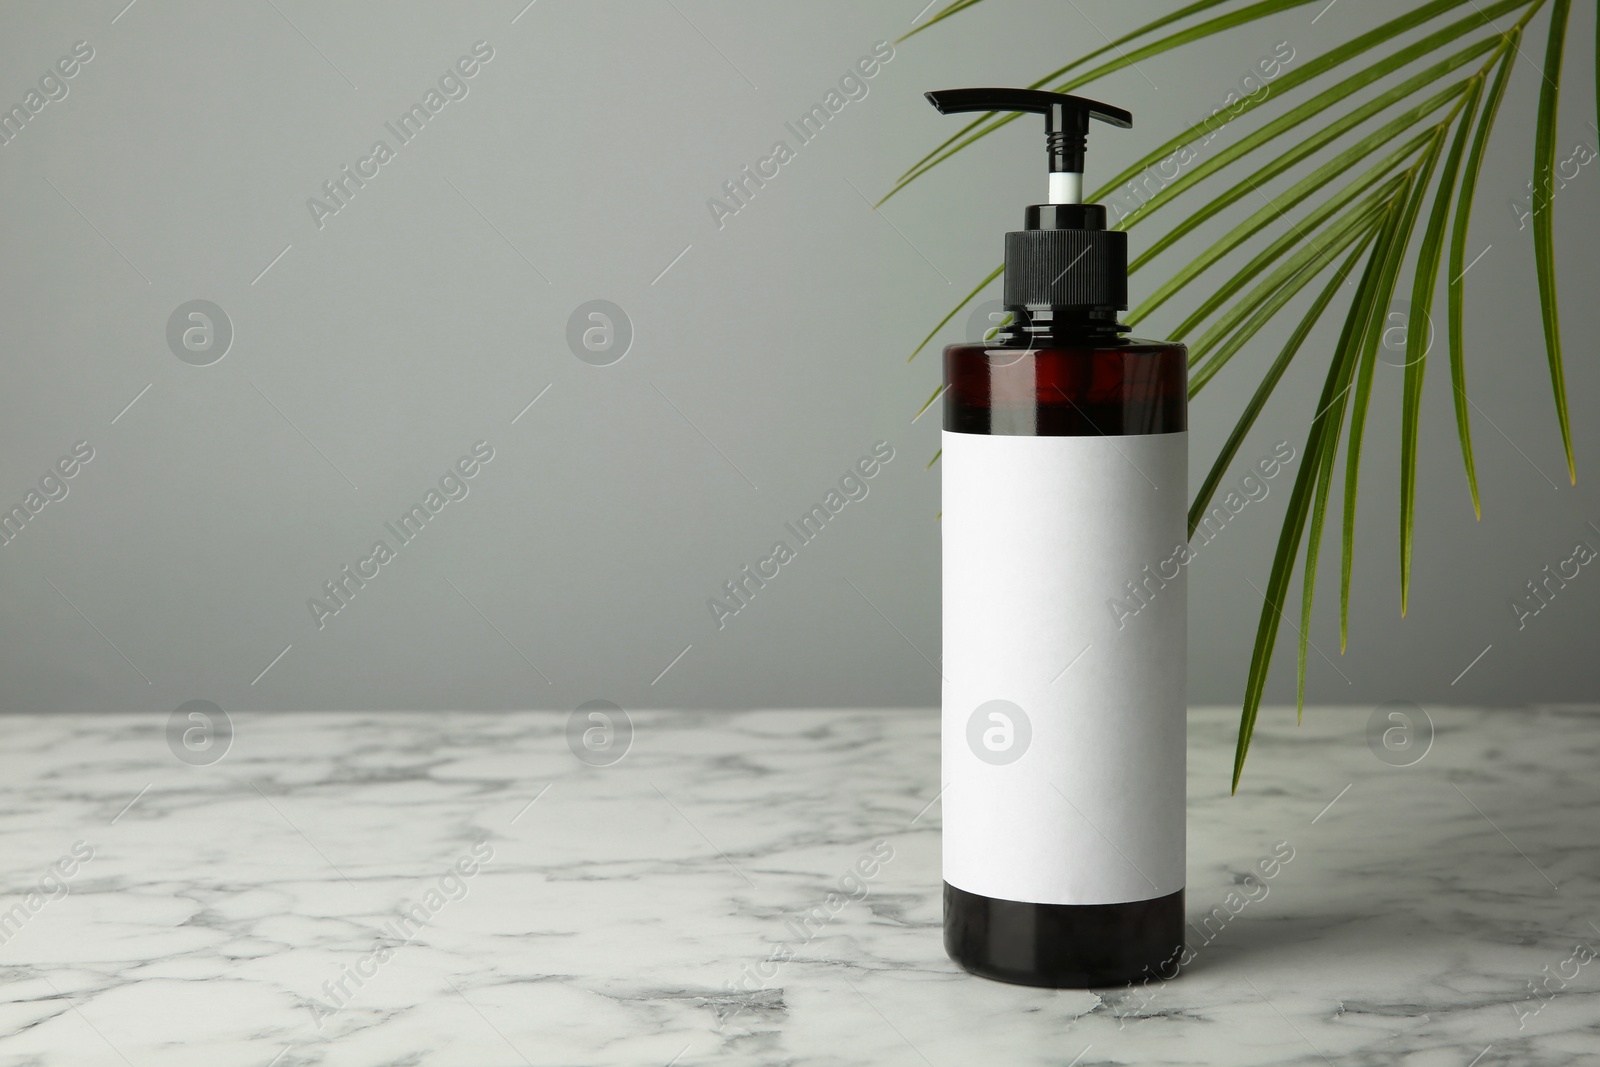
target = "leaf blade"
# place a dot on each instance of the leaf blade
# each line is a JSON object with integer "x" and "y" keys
{"x": 1397, "y": 242}
{"x": 1419, "y": 333}
{"x": 1350, "y": 348}
{"x": 1456, "y": 290}
{"x": 1544, "y": 156}
{"x": 952, "y": 8}
{"x": 991, "y": 276}
{"x": 1283, "y": 561}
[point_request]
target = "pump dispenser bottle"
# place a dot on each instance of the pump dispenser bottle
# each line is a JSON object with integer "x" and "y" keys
{"x": 1065, "y": 550}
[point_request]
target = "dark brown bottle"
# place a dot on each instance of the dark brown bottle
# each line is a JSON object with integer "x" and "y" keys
{"x": 1077, "y": 380}
{"x": 1064, "y": 470}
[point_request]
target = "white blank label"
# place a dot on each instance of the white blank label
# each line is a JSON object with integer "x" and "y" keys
{"x": 1064, "y": 727}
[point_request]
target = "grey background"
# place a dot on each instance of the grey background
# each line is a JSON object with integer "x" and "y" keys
{"x": 769, "y": 357}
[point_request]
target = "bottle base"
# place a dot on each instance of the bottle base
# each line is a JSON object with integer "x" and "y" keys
{"x": 1063, "y": 946}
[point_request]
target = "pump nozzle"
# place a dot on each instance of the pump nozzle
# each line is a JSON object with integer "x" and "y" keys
{"x": 1066, "y": 124}
{"x": 1063, "y": 262}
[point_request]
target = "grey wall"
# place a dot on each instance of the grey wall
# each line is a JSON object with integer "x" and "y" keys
{"x": 371, "y": 352}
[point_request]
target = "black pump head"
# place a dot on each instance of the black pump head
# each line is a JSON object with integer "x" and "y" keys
{"x": 1066, "y": 125}
{"x": 1064, "y": 260}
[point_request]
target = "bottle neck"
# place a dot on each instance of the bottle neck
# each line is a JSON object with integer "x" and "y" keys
{"x": 1064, "y": 217}
{"x": 1033, "y": 323}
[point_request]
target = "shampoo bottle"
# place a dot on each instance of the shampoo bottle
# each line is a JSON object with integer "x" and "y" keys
{"x": 1064, "y": 476}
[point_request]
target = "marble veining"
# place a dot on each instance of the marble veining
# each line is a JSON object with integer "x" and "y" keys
{"x": 763, "y": 888}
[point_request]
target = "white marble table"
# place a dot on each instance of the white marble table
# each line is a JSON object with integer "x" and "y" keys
{"x": 650, "y": 911}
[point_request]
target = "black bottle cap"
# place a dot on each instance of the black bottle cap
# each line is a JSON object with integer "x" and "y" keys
{"x": 1064, "y": 257}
